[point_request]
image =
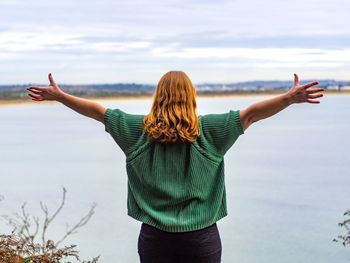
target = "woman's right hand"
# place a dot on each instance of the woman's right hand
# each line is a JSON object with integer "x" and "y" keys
{"x": 51, "y": 92}
{"x": 302, "y": 93}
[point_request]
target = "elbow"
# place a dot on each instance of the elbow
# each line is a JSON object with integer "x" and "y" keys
{"x": 246, "y": 118}
{"x": 247, "y": 123}
{"x": 100, "y": 115}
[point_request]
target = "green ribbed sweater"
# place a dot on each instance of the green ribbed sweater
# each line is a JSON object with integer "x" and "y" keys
{"x": 175, "y": 187}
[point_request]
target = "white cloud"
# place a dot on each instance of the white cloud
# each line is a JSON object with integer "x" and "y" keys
{"x": 142, "y": 39}
{"x": 280, "y": 55}
{"x": 277, "y": 65}
{"x": 25, "y": 42}
{"x": 119, "y": 46}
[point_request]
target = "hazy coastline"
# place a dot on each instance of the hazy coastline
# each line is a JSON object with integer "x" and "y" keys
{"x": 113, "y": 98}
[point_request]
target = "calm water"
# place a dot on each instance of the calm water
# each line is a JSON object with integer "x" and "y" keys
{"x": 287, "y": 179}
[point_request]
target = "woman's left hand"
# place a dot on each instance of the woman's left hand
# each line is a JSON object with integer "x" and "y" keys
{"x": 302, "y": 93}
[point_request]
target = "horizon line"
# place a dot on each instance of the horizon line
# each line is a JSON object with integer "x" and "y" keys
{"x": 202, "y": 83}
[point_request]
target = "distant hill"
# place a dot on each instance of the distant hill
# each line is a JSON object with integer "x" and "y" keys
{"x": 269, "y": 85}
{"x": 14, "y": 92}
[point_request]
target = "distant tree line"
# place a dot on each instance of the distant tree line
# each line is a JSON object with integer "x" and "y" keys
{"x": 19, "y": 92}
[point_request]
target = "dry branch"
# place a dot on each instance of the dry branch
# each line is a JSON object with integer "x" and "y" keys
{"x": 22, "y": 242}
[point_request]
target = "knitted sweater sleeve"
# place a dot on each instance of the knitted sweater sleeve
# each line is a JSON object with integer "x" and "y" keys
{"x": 124, "y": 128}
{"x": 220, "y": 131}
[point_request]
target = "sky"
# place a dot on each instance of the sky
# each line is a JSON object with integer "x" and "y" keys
{"x": 134, "y": 41}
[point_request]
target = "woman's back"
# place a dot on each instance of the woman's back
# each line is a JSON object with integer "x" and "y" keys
{"x": 179, "y": 186}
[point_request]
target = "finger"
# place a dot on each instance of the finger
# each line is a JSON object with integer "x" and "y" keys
{"x": 312, "y": 101}
{"x": 314, "y": 90}
{"x": 296, "y": 80}
{"x": 35, "y": 96}
{"x": 52, "y": 82}
{"x": 308, "y": 85}
{"x": 315, "y": 96}
{"x": 36, "y": 91}
{"x": 38, "y": 99}
{"x": 37, "y": 88}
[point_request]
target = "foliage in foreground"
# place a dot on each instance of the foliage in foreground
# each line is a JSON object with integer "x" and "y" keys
{"x": 21, "y": 246}
{"x": 345, "y": 240}
{"x": 16, "y": 250}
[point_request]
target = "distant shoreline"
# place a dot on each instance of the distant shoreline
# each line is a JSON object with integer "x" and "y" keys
{"x": 218, "y": 95}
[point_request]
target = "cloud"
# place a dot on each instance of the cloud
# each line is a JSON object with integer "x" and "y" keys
{"x": 142, "y": 39}
{"x": 23, "y": 41}
{"x": 286, "y": 55}
{"x": 316, "y": 65}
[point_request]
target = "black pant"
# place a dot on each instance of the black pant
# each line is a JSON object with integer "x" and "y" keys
{"x": 157, "y": 246}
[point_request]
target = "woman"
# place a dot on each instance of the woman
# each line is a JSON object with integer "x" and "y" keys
{"x": 175, "y": 162}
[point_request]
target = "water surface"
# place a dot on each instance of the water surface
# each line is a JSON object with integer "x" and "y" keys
{"x": 287, "y": 179}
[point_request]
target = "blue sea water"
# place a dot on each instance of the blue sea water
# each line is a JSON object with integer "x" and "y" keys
{"x": 287, "y": 179}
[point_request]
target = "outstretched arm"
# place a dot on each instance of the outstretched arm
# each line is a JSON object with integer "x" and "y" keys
{"x": 83, "y": 106}
{"x": 267, "y": 108}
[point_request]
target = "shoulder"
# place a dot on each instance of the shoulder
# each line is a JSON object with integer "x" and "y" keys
{"x": 227, "y": 118}
{"x": 125, "y": 128}
{"x": 220, "y": 130}
{"x": 120, "y": 115}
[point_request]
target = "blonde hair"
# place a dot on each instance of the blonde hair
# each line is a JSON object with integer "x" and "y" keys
{"x": 173, "y": 114}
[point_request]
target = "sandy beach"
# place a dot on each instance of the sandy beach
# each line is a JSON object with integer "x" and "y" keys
{"x": 101, "y": 100}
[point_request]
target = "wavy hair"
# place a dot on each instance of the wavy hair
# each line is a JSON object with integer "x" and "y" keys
{"x": 173, "y": 114}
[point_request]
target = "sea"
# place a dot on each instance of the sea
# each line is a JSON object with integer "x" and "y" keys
{"x": 287, "y": 180}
